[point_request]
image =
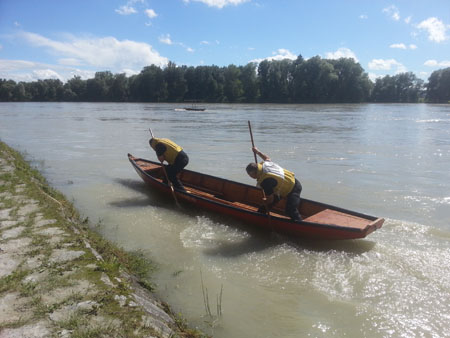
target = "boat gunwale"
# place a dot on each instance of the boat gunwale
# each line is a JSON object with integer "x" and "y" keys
{"x": 343, "y": 228}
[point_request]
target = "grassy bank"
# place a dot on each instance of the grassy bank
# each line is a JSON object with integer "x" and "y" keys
{"x": 60, "y": 278}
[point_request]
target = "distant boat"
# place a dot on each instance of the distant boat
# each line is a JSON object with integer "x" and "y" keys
{"x": 320, "y": 221}
{"x": 194, "y": 107}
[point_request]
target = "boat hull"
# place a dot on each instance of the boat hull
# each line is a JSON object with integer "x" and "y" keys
{"x": 310, "y": 227}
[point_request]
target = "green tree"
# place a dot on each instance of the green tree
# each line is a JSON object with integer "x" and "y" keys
{"x": 249, "y": 82}
{"x": 404, "y": 87}
{"x": 76, "y": 86}
{"x": 150, "y": 85}
{"x": 7, "y": 90}
{"x": 314, "y": 80}
{"x": 97, "y": 89}
{"x": 176, "y": 84}
{"x": 275, "y": 80}
{"x": 438, "y": 87}
{"x": 204, "y": 83}
{"x": 20, "y": 93}
{"x": 408, "y": 87}
{"x": 353, "y": 84}
{"x": 119, "y": 90}
{"x": 54, "y": 90}
{"x": 233, "y": 89}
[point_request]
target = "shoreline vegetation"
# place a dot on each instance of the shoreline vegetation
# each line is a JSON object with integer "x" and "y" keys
{"x": 313, "y": 80}
{"x": 60, "y": 278}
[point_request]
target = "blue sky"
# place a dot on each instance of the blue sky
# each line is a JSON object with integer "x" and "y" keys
{"x": 63, "y": 38}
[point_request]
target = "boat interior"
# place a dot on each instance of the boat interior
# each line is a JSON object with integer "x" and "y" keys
{"x": 250, "y": 198}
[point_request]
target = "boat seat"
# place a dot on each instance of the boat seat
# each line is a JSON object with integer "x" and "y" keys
{"x": 208, "y": 191}
{"x": 335, "y": 217}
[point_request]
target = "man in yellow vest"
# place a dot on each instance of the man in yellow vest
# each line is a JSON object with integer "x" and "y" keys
{"x": 277, "y": 183}
{"x": 173, "y": 154}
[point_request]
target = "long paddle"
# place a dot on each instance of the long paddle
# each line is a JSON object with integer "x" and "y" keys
{"x": 251, "y": 137}
{"x": 167, "y": 178}
{"x": 256, "y": 161}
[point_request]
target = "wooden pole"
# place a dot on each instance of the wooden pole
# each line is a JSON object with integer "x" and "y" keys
{"x": 256, "y": 161}
{"x": 251, "y": 137}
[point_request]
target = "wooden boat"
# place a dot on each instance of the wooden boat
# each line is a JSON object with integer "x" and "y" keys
{"x": 320, "y": 221}
{"x": 194, "y": 107}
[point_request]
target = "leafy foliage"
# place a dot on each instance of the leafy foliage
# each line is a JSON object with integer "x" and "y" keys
{"x": 315, "y": 80}
{"x": 404, "y": 87}
{"x": 438, "y": 87}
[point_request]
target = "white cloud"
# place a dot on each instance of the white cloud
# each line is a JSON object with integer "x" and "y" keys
{"x": 363, "y": 17}
{"x": 219, "y": 3}
{"x": 403, "y": 46}
{"x": 373, "y": 76}
{"x": 280, "y": 54}
{"x": 431, "y": 63}
{"x": 107, "y": 52}
{"x": 341, "y": 53}
{"x": 69, "y": 62}
{"x": 165, "y": 39}
{"x": 391, "y": 64}
{"x": 126, "y": 10}
{"x": 129, "y": 7}
{"x": 89, "y": 54}
{"x": 13, "y": 65}
{"x": 47, "y": 74}
{"x": 130, "y": 72}
{"x": 204, "y": 42}
{"x": 392, "y": 12}
{"x": 434, "y": 63}
{"x": 20, "y": 70}
{"x": 436, "y": 29}
{"x": 398, "y": 45}
{"x": 187, "y": 48}
{"x": 151, "y": 13}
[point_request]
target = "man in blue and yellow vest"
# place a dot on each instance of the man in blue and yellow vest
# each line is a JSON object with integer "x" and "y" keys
{"x": 277, "y": 183}
{"x": 173, "y": 154}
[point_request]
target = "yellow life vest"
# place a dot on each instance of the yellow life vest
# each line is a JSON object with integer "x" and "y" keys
{"x": 285, "y": 178}
{"x": 172, "y": 149}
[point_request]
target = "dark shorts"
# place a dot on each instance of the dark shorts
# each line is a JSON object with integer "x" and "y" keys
{"x": 293, "y": 202}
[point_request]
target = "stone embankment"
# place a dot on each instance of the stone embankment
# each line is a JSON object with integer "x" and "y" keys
{"x": 58, "y": 278}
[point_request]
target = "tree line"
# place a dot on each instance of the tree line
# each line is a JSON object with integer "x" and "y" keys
{"x": 315, "y": 80}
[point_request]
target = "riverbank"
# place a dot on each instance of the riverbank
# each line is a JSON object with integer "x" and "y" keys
{"x": 60, "y": 279}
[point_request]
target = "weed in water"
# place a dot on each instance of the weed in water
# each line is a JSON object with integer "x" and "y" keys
{"x": 213, "y": 320}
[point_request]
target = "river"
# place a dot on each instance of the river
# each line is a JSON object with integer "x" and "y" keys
{"x": 386, "y": 160}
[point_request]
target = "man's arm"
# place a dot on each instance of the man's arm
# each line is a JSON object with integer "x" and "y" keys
{"x": 268, "y": 185}
{"x": 160, "y": 149}
{"x": 260, "y": 154}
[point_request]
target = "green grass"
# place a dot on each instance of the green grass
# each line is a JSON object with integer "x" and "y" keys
{"x": 53, "y": 205}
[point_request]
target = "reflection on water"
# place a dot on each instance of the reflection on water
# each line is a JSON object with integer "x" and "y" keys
{"x": 385, "y": 160}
